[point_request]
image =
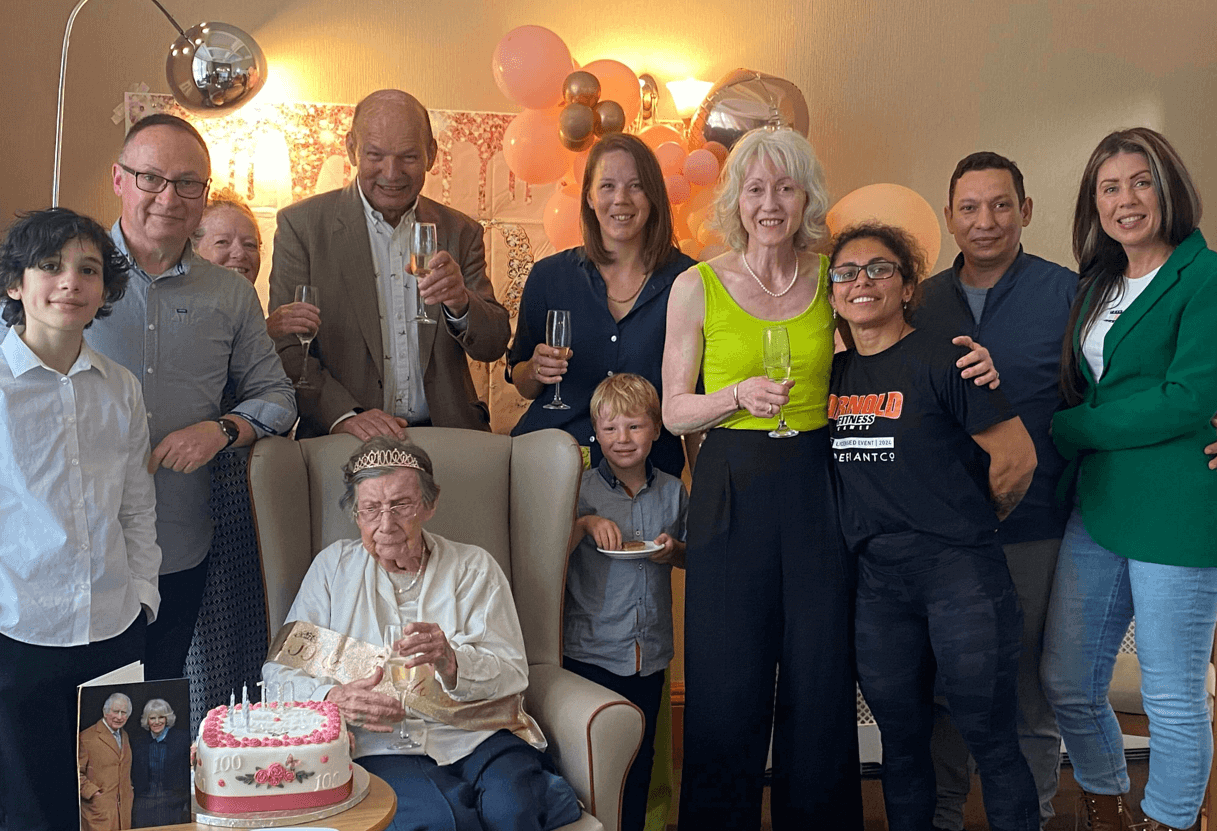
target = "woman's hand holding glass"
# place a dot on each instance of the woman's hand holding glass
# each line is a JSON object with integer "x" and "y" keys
{"x": 362, "y": 706}
{"x": 549, "y": 363}
{"x": 425, "y": 643}
{"x": 763, "y": 398}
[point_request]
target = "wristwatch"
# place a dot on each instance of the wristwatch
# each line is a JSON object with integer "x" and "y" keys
{"x": 231, "y": 431}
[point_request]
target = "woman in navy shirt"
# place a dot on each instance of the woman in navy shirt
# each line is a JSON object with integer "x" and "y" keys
{"x": 616, "y": 288}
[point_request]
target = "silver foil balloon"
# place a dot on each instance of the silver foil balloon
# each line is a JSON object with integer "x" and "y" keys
{"x": 744, "y": 100}
{"x": 214, "y": 68}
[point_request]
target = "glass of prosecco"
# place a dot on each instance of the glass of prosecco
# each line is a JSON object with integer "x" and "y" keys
{"x": 776, "y": 350}
{"x": 422, "y": 249}
{"x": 404, "y": 678}
{"x": 312, "y": 296}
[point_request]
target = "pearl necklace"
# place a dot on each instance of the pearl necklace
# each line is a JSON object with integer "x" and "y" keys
{"x": 422, "y": 566}
{"x": 793, "y": 279}
{"x": 637, "y": 291}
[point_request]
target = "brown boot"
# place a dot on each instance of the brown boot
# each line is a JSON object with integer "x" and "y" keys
{"x": 1105, "y": 812}
{"x": 1152, "y": 825}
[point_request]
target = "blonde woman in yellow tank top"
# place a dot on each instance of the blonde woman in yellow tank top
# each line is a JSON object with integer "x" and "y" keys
{"x": 768, "y": 584}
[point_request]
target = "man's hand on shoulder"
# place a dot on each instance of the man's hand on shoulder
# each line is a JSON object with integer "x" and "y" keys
{"x": 369, "y": 423}
{"x": 1212, "y": 448}
{"x": 445, "y": 284}
{"x": 188, "y": 449}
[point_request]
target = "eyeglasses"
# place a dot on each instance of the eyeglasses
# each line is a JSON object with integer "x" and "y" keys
{"x": 152, "y": 183}
{"x": 398, "y": 511}
{"x": 878, "y": 270}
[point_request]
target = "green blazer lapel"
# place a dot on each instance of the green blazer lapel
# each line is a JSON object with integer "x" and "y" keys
{"x": 425, "y": 212}
{"x": 357, "y": 271}
{"x": 1163, "y": 281}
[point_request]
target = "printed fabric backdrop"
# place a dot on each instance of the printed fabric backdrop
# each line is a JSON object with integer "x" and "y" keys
{"x": 276, "y": 154}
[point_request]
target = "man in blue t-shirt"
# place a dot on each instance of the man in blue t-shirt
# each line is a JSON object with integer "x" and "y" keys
{"x": 1017, "y": 305}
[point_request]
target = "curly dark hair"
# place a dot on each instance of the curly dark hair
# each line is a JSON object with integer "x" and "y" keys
{"x": 909, "y": 256}
{"x": 40, "y": 234}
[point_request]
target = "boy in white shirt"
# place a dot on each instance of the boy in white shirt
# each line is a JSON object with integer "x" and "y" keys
{"x": 78, "y": 552}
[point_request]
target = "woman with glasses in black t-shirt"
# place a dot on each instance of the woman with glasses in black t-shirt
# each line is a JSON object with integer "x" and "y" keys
{"x": 919, "y": 507}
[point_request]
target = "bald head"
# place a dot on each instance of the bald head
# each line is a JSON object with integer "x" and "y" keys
{"x": 392, "y": 147}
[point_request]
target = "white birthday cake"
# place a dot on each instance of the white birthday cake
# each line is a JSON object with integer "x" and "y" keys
{"x": 291, "y": 756}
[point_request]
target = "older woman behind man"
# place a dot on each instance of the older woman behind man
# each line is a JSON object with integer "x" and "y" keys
{"x": 469, "y": 771}
{"x": 226, "y": 649}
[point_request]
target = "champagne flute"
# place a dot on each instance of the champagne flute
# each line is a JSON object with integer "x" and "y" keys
{"x": 403, "y": 678}
{"x": 557, "y": 334}
{"x": 312, "y": 296}
{"x": 422, "y": 249}
{"x": 776, "y": 346}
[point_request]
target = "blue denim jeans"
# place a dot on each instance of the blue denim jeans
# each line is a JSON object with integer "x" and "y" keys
{"x": 1094, "y": 597}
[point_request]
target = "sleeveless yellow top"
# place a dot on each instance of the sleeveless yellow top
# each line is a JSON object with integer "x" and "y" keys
{"x": 733, "y": 352}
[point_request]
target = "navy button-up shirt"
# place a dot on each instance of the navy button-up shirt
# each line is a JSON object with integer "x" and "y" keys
{"x": 602, "y": 346}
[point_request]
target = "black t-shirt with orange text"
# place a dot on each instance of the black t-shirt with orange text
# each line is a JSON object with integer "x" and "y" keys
{"x": 901, "y": 423}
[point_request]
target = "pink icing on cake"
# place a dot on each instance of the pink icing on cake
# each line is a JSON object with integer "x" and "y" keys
{"x": 291, "y": 757}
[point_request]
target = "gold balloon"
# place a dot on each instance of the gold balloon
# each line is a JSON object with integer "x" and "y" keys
{"x": 577, "y": 127}
{"x": 612, "y": 117}
{"x": 581, "y": 88}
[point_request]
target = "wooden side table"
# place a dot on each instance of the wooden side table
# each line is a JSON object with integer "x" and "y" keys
{"x": 374, "y": 813}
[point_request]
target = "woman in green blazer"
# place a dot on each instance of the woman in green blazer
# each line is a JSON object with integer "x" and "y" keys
{"x": 1139, "y": 375}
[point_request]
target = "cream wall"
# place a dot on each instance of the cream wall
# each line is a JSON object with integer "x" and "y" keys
{"x": 898, "y": 91}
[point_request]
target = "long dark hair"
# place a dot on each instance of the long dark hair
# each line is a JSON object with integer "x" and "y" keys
{"x": 1101, "y": 260}
{"x": 659, "y": 237}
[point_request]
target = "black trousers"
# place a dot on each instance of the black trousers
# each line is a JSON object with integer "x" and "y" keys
{"x": 170, "y": 634}
{"x": 768, "y": 588}
{"x": 38, "y": 781}
{"x": 647, "y": 692}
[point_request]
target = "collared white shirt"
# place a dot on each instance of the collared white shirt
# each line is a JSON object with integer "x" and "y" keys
{"x": 462, "y": 590}
{"x": 78, "y": 552}
{"x": 397, "y": 302}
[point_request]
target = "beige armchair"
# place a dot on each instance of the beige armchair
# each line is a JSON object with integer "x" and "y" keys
{"x": 515, "y": 497}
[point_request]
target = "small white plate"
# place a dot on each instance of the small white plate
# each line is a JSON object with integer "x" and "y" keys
{"x": 632, "y": 555}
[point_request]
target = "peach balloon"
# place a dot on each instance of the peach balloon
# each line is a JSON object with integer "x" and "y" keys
{"x": 529, "y": 65}
{"x": 533, "y": 149}
{"x": 561, "y": 219}
{"x": 701, "y": 167}
{"x": 893, "y": 205}
{"x": 617, "y": 83}
{"x": 671, "y": 157}
{"x": 719, "y": 150}
{"x": 678, "y": 187}
{"x": 660, "y": 133}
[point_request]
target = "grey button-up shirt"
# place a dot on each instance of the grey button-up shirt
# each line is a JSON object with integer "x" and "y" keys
{"x": 184, "y": 334}
{"x": 618, "y": 613}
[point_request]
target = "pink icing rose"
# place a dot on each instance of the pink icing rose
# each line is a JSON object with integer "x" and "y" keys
{"x": 262, "y": 776}
{"x": 221, "y": 783}
{"x": 274, "y": 742}
{"x": 324, "y": 759}
{"x": 278, "y": 774}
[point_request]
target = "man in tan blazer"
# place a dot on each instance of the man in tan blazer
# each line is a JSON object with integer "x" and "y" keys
{"x": 104, "y": 757}
{"x": 379, "y": 370}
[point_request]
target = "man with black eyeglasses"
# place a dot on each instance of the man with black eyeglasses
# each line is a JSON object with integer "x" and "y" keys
{"x": 186, "y": 329}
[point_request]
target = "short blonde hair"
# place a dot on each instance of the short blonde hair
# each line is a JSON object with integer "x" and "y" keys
{"x": 226, "y": 198}
{"x": 625, "y": 394}
{"x": 789, "y": 153}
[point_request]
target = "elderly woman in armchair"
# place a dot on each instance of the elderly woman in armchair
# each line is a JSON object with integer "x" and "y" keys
{"x": 442, "y": 616}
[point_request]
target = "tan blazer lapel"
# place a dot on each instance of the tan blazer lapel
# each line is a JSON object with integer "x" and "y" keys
{"x": 357, "y": 272}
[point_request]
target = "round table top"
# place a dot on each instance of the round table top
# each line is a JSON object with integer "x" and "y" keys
{"x": 373, "y": 813}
